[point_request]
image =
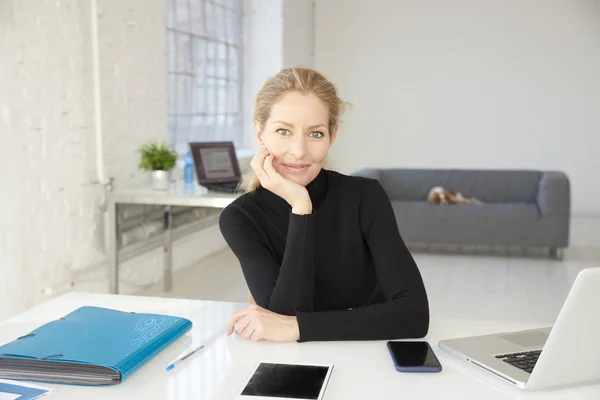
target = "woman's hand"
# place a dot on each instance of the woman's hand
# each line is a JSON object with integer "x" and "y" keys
{"x": 256, "y": 323}
{"x": 296, "y": 195}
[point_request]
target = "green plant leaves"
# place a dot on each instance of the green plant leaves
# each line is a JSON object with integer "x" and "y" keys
{"x": 157, "y": 157}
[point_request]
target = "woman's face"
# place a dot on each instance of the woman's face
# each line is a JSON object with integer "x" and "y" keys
{"x": 297, "y": 135}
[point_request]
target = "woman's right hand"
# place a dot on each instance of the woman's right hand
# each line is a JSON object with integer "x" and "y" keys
{"x": 296, "y": 195}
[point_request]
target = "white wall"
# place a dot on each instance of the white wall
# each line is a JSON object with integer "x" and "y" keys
{"x": 263, "y": 54}
{"x": 49, "y": 195}
{"x": 503, "y": 84}
{"x": 298, "y": 33}
{"x": 132, "y": 40}
{"x": 133, "y": 65}
{"x": 51, "y": 230}
{"x": 277, "y": 34}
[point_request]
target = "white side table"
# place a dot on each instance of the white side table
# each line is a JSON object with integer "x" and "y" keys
{"x": 177, "y": 195}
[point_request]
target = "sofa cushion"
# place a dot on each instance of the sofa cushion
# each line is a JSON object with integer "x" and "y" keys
{"x": 501, "y": 224}
{"x": 489, "y": 186}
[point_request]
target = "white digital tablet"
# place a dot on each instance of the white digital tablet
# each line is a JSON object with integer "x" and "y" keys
{"x": 280, "y": 381}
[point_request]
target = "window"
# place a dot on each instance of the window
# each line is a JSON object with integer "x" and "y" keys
{"x": 204, "y": 49}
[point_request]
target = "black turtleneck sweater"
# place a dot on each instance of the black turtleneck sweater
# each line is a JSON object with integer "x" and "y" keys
{"x": 343, "y": 270}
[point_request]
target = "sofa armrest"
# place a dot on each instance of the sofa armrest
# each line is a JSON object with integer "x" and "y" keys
{"x": 372, "y": 173}
{"x": 554, "y": 195}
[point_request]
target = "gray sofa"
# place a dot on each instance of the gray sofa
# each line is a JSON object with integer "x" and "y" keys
{"x": 521, "y": 207}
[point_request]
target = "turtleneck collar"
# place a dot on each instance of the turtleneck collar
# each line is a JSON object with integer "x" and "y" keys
{"x": 317, "y": 190}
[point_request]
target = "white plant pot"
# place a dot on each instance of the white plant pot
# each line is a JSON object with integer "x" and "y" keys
{"x": 160, "y": 180}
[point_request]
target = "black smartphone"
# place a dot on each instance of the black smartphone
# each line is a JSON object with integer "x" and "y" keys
{"x": 413, "y": 356}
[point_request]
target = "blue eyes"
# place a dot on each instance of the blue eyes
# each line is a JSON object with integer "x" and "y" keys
{"x": 314, "y": 135}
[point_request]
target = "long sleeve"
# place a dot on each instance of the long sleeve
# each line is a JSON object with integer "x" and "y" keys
{"x": 405, "y": 312}
{"x": 285, "y": 288}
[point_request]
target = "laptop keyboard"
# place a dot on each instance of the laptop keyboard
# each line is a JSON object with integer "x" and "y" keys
{"x": 222, "y": 187}
{"x": 525, "y": 360}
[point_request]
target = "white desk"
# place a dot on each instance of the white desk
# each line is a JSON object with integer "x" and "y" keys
{"x": 177, "y": 195}
{"x": 362, "y": 370}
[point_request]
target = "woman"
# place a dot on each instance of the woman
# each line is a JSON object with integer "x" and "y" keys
{"x": 320, "y": 251}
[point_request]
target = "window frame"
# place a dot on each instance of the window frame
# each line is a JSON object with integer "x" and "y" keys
{"x": 227, "y": 34}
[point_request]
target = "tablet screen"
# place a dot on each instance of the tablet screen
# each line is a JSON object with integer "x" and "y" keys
{"x": 289, "y": 381}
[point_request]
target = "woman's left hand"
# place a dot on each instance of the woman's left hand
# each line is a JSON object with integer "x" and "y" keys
{"x": 256, "y": 323}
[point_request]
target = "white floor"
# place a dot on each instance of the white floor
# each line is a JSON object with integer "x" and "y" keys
{"x": 493, "y": 284}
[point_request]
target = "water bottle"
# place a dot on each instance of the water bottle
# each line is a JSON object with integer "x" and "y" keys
{"x": 188, "y": 169}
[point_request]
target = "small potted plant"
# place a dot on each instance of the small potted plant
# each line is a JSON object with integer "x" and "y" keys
{"x": 159, "y": 161}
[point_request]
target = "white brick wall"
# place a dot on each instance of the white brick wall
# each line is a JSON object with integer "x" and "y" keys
{"x": 50, "y": 218}
{"x": 51, "y": 225}
{"x": 133, "y": 80}
{"x": 49, "y": 198}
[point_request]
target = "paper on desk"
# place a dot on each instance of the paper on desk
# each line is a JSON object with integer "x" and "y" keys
{"x": 11, "y": 390}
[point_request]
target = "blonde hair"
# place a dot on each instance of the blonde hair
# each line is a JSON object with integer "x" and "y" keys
{"x": 302, "y": 80}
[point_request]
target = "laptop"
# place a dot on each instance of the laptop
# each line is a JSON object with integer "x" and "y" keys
{"x": 216, "y": 165}
{"x": 566, "y": 354}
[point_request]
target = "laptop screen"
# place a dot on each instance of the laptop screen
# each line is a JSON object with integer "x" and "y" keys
{"x": 215, "y": 161}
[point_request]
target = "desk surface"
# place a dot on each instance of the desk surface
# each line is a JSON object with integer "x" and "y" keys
{"x": 178, "y": 194}
{"x": 362, "y": 370}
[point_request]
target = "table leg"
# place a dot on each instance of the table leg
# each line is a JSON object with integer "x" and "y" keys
{"x": 168, "y": 249}
{"x": 113, "y": 247}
